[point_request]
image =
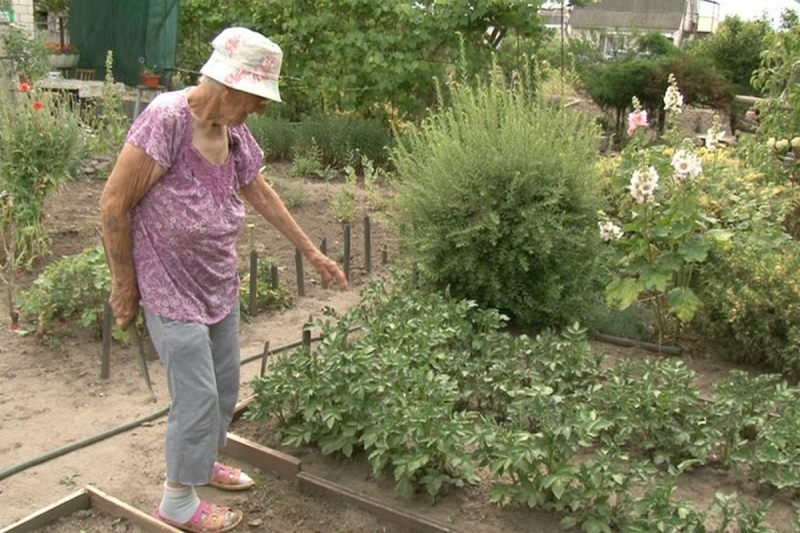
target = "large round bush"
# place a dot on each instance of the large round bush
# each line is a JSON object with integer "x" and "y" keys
{"x": 497, "y": 200}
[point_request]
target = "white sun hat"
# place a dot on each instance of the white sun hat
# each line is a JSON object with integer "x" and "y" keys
{"x": 246, "y": 61}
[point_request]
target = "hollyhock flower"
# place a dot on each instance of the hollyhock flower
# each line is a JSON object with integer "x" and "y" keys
{"x": 637, "y": 119}
{"x": 24, "y": 87}
{"x": 37, "y": 105}
{"x": 686, "y": 165}
{"x": 609, "y": 231}
{"x": 713, "y": 138}
{"x": 643, "y": 185}
{"x": 673, "y": 99}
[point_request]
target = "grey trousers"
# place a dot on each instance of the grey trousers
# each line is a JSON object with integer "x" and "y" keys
{"x": 202, "y": 367}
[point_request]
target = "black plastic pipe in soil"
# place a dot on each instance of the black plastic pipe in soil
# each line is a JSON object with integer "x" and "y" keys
{"x": 30, "y": 463}
{"x": 650, "y": 346}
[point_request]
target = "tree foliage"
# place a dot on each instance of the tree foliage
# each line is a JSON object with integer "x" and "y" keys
{"x": 361, "y": 55}
{"x": 735, "y": 50}
{"x": 613, "y": 84}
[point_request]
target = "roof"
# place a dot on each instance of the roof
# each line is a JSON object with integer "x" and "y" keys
{"x": 648, "y": 15}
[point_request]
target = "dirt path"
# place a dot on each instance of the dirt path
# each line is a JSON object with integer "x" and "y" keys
{"x": 51, "y": 394}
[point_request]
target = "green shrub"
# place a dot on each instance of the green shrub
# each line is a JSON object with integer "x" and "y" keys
{"x": 307, "y": 163}
{"x": 753, "y": 306}
{"x": 339, "y": 138}
{"x": 73, "y": 287}
{"x": 274, "y": 135}
{"x": 267, "y": 297}
{"x": 496, "y": 198}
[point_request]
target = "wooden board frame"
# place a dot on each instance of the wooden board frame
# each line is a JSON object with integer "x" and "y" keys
{"x": 89, "y": 498}
{"x": 244, "y": 450}
{"x": 287, "y": 466}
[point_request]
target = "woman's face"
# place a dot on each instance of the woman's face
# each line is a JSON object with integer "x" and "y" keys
{"x": 237, "y": 105}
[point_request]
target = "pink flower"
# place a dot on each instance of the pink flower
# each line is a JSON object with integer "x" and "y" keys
{"x": 637, "y": 119}
{"x": 37, "y": 105}
{"x": 24, "y": 87}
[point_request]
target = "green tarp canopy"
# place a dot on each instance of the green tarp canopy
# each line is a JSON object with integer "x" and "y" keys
{"x": 133, "y": 30}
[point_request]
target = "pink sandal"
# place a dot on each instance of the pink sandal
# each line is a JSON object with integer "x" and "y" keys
{"x": 209, "y": 518}
{"x": 228, "y": 478}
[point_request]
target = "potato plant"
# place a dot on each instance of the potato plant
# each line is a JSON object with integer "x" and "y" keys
{"x": 433, "y": 391}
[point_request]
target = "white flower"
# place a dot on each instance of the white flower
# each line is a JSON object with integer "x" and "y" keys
{"x": 713, "y": 138}
{"x": 643, "y": 186}
{"x": 782, "y": 145}
{"x": 609, "y": 231}
{"x": 686, "y": 165}
{"x": 673, "y": 99}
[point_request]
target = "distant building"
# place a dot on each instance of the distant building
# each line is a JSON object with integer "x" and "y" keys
{"x": 21, "y": 13}
{"x": 613, "y": 24}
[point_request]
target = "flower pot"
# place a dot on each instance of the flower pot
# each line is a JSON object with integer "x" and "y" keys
{"x": 148, "y": 80}
{"x": 63, "y": 60}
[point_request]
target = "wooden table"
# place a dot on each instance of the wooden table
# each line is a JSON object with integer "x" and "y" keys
{"x": 81, "y": 88}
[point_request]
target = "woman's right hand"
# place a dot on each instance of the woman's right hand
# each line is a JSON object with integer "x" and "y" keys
{"x": 124, "y": 302}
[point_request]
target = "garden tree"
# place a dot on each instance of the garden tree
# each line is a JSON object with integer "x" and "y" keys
{"x": 613, "y": 84}
{"x": 364, "y": 56}
{"x": 201, "y": 21}
{"x": 60, "y": 9}
{"x": 735, "y": 50}
{"x": 777, "y": 77}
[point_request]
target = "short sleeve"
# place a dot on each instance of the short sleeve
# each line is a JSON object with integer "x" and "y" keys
{"x": 248, "y": 156}
{"x": 159, "y": 128}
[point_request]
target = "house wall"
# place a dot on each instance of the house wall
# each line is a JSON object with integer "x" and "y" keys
{"x": 23, "y": 13}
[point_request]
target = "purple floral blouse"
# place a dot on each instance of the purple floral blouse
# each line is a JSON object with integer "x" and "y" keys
{"x": 185, "y": 228}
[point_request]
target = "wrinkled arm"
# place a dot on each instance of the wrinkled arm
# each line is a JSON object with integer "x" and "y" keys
{"x": 269, "y": 205}
{"x": 133, "y": 175}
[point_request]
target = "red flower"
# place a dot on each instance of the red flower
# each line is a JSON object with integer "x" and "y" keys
{"x": 24, "y": 87}
{"x": 37, "y": 105}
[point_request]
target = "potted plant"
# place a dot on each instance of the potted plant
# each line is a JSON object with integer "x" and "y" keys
{"x": 61, "y": 55}
{"x": 148, "y": 76}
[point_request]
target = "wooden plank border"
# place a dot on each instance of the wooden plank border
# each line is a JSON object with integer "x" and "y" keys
{"x": 77, "y": 501}
{"x": 89, "y": 498}
{"x": 261, "y": 457}
{"x": 290, "y": 467}
{"x": 405, "y": 519}
{"x": 115, "y": 507}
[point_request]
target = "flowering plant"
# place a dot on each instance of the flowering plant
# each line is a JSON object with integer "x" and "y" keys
{"x": 661, "y": 230}
{"x": 145, "y": 68}
{"x": 42, "y": 144}
{"x": 55, "y": 47}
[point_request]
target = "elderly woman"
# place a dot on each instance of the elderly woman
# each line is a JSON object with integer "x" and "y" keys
{"x": 171, "y": 212}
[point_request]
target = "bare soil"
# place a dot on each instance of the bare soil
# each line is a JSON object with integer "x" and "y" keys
{"x": 51, "y": 395}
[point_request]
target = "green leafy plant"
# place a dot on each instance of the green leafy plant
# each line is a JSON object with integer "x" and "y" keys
{"x": 42, "y": 145}
{"x": 496, "y": 199}
{"x": 73, "y": 288}
{"x": 430, "y": 390}
{"x": 308, "y": 164}
{"x": 109, "y": 120}
{"x": 268, "y": 297}
{"x": 664, "y": 232}
{"x": 27, "y": 53}
{"x": 344, "y": 202}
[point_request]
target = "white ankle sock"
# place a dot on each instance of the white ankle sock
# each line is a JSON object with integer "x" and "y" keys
{"x": 178, "y": 504}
